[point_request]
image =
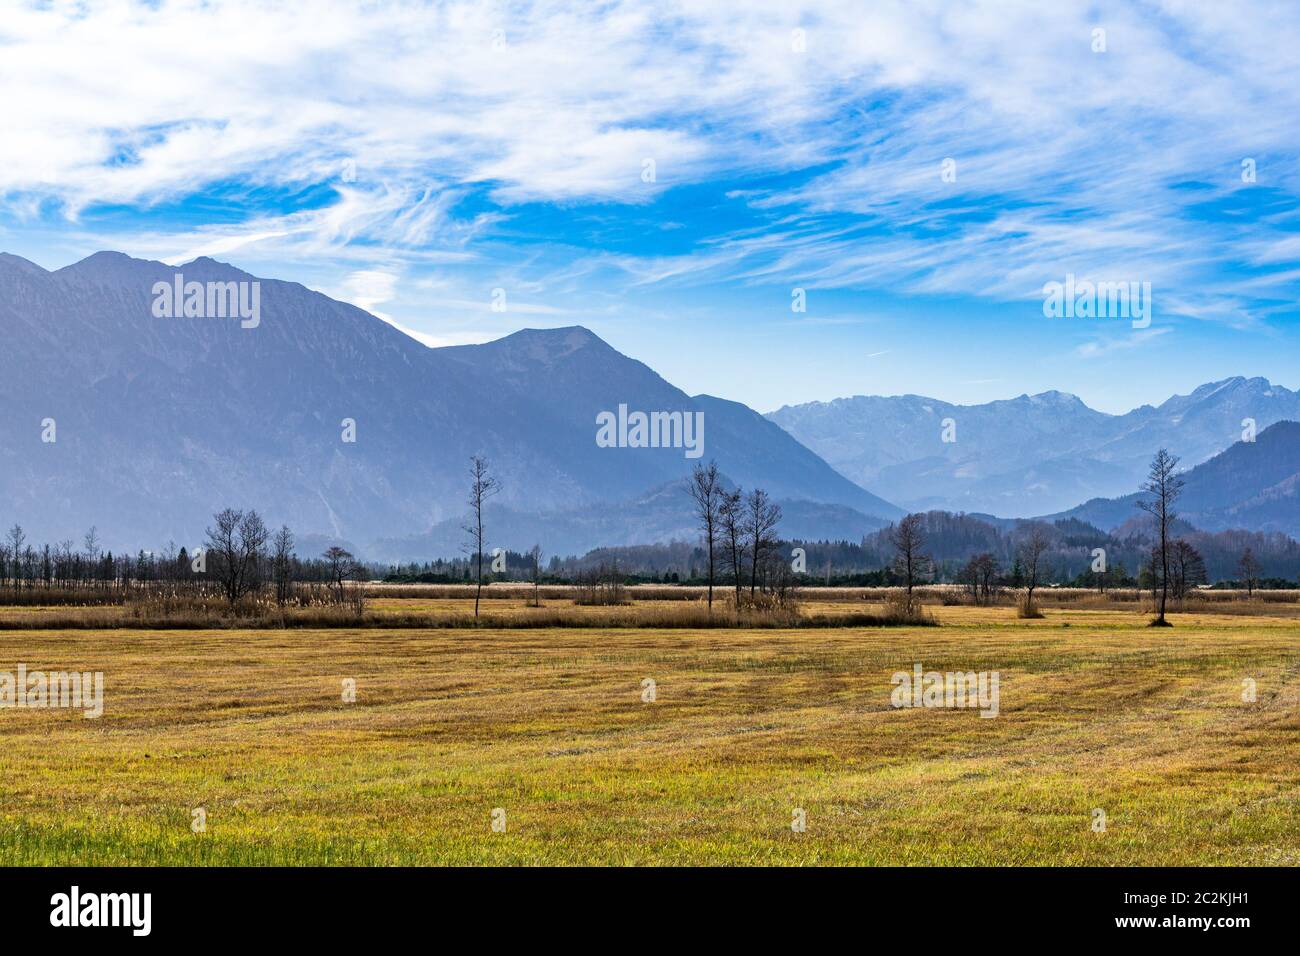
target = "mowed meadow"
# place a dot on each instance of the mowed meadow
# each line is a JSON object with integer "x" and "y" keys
{"x": 550, "y": 725}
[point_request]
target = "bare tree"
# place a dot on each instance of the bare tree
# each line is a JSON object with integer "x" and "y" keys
{"x": 731, "y": 517}
{"x": 1188, "y": 568}
{"x": 1165, "y": 486}
{"x": 535, "y": 555}
{"x": 600, "y": 585}
{"x": 17, "y": 537}
{"x": 91, "y": 544}
{"x": 483, "y": 486}
{"x": 1030, "y": 553}
{"x": 65, "y": 559}
{"x": 762, "y": 515}
{"x": 707, "y": 494}
{"x": 978, "y": 575}
{"x": 987, "y": 566}
{"x": 282, "y": 564}
{"x": 237, "y": 546}
{"x": 253, "y": 536}
{"x": 223, "y": 551}
{"x": 968, "y": 577}
{"x": 1249, "y": 568}
{"x": 908, "y": 539}
{"x": 341, "y": 566}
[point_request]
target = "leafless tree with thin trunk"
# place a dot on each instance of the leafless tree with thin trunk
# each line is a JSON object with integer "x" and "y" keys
{"x": 253, "y": 535}
{"x": 223, "y": 551}
{"x": 908, "y": 539}
{"x": 535, "y": 556}
{"x": 1164, "y": 486}
{"x": 17, "y": 537}
{"x": 1248, "y": 566}
{"x": 1031, "y": 552}
{"x": 482, "y": 487}
{"x": 731, "y": 517}
{"x": 91, "y": 544}
{"x": 762, "y": 515}
{"x": 707, "y": 494}
{"x": 282, "y": 564}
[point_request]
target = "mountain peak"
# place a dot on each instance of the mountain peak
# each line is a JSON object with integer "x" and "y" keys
{"x": 206, "y": 265}
{"x": 1237, "y": 382}
{"x": 546, "y": 345}
{"x": 117, "y": 268}
{"x": 181, "y": 415}
{"x": 109, "y": 268}
{"x": 1054, "y": 397}
{"x": 105, "y": 257}
{"x": 570, "y": 335}
{"x": 21, "y": 264}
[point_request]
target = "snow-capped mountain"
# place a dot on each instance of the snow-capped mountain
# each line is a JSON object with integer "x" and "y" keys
{"x": 1028, "y": 455}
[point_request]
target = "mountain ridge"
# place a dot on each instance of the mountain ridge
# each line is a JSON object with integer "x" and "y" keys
{"x": 161, "y": 422}
{"x": 1028, "y": 455}
{"x": 1254, "y": 485}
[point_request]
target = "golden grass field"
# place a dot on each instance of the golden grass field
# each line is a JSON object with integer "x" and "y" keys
{"x": 1097, "y": 711}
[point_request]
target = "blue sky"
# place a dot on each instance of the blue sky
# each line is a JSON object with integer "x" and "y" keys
{"x": 412, "y": 158}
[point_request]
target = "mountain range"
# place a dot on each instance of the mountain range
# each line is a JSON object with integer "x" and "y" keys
{"x": 1025, "y": 456}
{"x": 158, "y": 422}
{"x": 1253, "y": 485}
{"x": 144, "y": 426}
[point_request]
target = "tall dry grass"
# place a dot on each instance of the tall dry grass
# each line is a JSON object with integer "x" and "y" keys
{"x": 78, "y": 596}
{"x": 643, "y": 606}
{"x": 686, "y": 616}
{"x": 900, "y": 611}
{"x": 1027, "y": 608}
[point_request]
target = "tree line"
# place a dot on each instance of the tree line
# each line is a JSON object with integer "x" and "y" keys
{"x": 239, "y": 557}
{"x": 740, "y": 548}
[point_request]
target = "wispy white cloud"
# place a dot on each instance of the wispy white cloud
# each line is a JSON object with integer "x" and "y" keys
{"x": 1120, "y": 342}
{"x": 1066, "y": 159}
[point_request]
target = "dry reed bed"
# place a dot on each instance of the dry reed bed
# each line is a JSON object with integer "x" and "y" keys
{"x": 648, "y": 606}
{"x": 684, "y": 616}
{"x": 928, "y": 594}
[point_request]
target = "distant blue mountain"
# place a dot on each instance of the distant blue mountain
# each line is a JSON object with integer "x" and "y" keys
{"x": 1253, "y": 485}
{"x": 661, "y": 515}
{"x": 1028, "y": 455}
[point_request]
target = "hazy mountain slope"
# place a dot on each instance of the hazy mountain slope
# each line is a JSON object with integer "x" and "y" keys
{"x": 162, "y": 421}
{"x": 1026, "y": 455}
{"x": 753, "y": 450}
{"x": 561, "y": 379}
{"x": 1252, "y": 485}
{"x": 661, "y": 515}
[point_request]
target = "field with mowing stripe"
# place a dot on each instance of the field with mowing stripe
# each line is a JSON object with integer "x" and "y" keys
{"x": 1097, "y": 711}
